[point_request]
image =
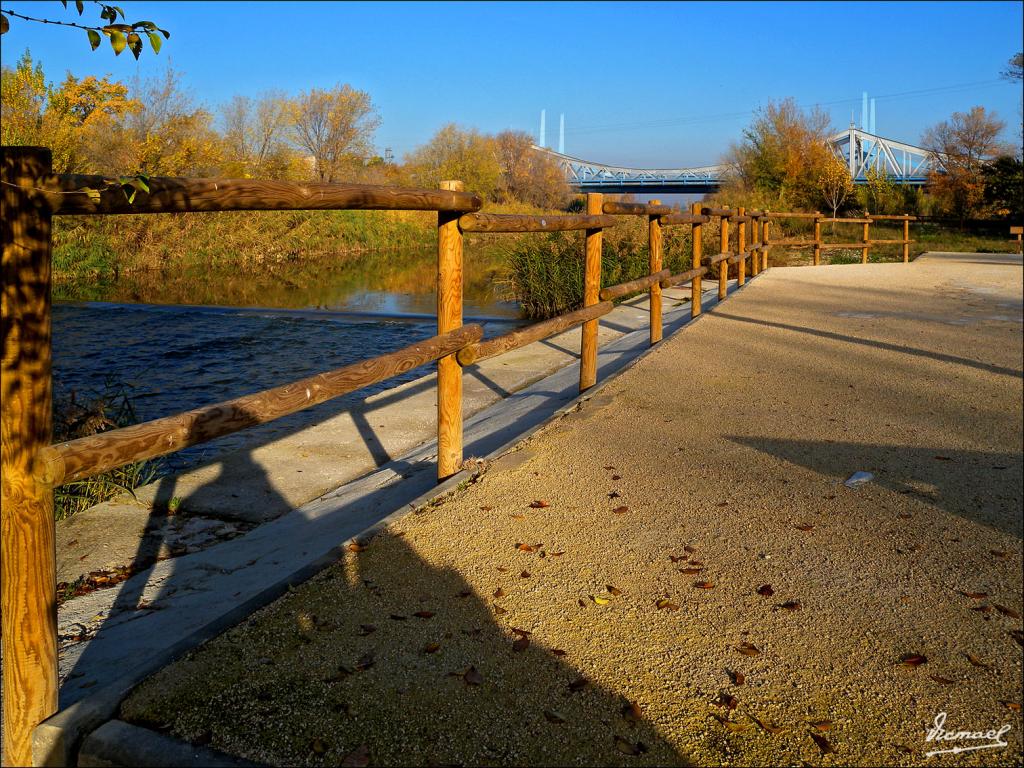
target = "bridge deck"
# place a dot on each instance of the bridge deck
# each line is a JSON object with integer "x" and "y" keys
{"x": 734, "y": 461}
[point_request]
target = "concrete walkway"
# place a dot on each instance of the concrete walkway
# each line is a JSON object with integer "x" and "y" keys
{"x": 675, "y": 572}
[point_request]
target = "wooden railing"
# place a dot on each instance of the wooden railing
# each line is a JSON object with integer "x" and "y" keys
{"x": 32, "y": 467}
{"x": 817, "y": 243}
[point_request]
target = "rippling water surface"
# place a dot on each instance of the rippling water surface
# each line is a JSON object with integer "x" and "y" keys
{"x": 172, "y": 357}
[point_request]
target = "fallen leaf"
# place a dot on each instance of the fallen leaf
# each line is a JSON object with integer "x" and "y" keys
{"x": 498, "y": 610}
{"x": 486, "y": 508}
{"x": 765, "y": 590}
{"x": 616, "y": 477}
{"x": 524, "y": 575}
{"x": 612, "y": 495}
{"x": 521, "y": 643}
{"x": 424, "y": 614}
{"x": 821, "y": 725}
{"x": 804, "y": 527}
{"x": 727, "y": 700}
{"x": 748, "y": 649}
{"x": 791, "y": 605}
{"x": 539, "y": 504}
{"x": 689, "y": 549}
{"x": 631, "y": 712}
{"x": 518, "y": 517}
{"x": 555, "y": 554}
{"x": 690, "y": 571}
{"x": 723, "y": 504}
{"x": 465, "y": 593}
{"x": 729, "y": 724}
{"x": 558, "y": 652}
{"x": 943, "y": 458}
{"x": 975, "y": 660}
{"x": 431, "y": 647}
{"x": 499, "y": 592}
{"x": 981, "y": 608}
{"x": 677, "y": 558}
{"x": 1013, "y": 706}
{"x": 502, "y": 569}
{"x": 366, "y": 629}
{"x": 613, "y": 590}
{"x": 1017, "y": 635}
{"x": 472, "y": 677}
{"x": 943, "y": 680}
{"x": 526, "y": 548}
{"x": 974, "y": 595}
{"x": 703, "y": 585}
{"x": 620, "y": 510}
{"x": 1006, "y": 611}
{"x": 772, "y": 729}
{"x": 822, "y": 743}
{"x": 999, "y": 553}
{"x": 609, "y": 467}
{"x": 398, "y": 617}
{"x": 355, "y": 546}
{"x": 553, "y": 717}
{"x": 666, "y": 605}
{"x": 913, "y": 659}
{"x": 357, "y": 758}
{"x": 600, "y": 600}
{"x": 737, "y": 677}
{"x": 578, "y": 685}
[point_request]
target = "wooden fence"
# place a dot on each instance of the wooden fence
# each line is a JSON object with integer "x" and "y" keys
{"x": 32, "y": 467}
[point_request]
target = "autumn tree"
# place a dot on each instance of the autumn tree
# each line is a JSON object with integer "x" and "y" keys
{"x": 528, "y": 175}
{"x": 834, "y": 183}
{"x": 335, "y": 128}
{"x": 255, "y": 137}
{"x": 465, "y": 154}
{"x": 960, "y": 149}
{"x": 782, "y": 154}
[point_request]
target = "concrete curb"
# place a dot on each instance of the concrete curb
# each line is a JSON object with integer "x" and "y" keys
{"x": 87, "y": 728}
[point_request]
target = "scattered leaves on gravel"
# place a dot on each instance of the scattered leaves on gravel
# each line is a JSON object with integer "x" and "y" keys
{"x": 765, "y": 590}
{"x": 822, "y": 743}
{"x": 748, "y": 649}
{"x": 913, "y": 659}
{"x": 539, "y": 504}
{"x": 664, "y": 604}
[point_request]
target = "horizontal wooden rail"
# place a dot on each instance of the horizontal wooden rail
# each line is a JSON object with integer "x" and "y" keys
{"x": 791, "y": 242}
{"x": 710, "y": 261}
{"x": 789, "y": 215}
{"x": 889, "y": 242}
{"x": 682, "y": 218}
{"x": 755, "y": 214}
{"x": 684, "y": 277}
{"x": 900, "y": 217}
{"x": 845, "y": 221}
{"x": 861, "y": 244}
{"x": 172, "y": 195}
{"x": 636, "y": 209}
{"x": 531, "y": 333}
{"x": 88, "y": 456}
{"x": 514, "y": 222}
{"x": 640, "y": 284}
{"x": 727, "y": 212}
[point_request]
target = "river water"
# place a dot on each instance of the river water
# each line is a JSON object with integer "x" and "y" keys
{"x": 175, "y": 342}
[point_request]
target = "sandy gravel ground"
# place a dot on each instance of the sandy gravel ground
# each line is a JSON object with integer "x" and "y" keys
{"x": 711, "y": 469}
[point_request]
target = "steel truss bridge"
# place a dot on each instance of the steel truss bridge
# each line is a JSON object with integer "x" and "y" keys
{"x": 859, "y": 150}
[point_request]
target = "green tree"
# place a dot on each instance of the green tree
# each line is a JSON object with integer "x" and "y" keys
{"x": 527, "y": 175}
{"x": 1004, "y": 187}
{"x": 834, "y": 183}
{"x": 457, "y": 153}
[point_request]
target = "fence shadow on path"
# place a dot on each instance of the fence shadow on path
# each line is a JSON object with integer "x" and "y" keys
{"x": 403, "y": 655}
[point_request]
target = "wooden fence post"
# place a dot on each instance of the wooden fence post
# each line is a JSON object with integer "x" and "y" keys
{"x": 449, "y": 317}
{"x": 591, "y": 291}
{"x": 696, "y": 240}
{"x": 654, "y": 247}
{"x": 723, "y": 266}
{"x": 764, "y": 242}
{"x": 755, "y": 242}
{"x": 906, "y": 240}
{"x": 741, "y": 244}
{"x": 864, "y": 250}
{"x": 817, "y": 241}
{"x": 28, "y": 602}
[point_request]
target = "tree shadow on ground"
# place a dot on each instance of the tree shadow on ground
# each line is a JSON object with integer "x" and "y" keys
{"x": 981, "y": 486}
{"x": 389, "y": 653}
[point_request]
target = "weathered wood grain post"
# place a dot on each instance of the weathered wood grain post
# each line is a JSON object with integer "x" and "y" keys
{"x": 28, "y": 601}
{"x": 906, "y": 239}
{"x": 764, "y": 241}
{"x": 591, "y": 290}
{"x": 449, "y": 317}
{"x": 654, "y": 242}
{"x": 755, "y": 242}
{"x": 864, "y": 250}
{"x": 723, "y": 265}
{"x": 741, "y": 244}
{"x": 696, "y": 238}
{"x": 817, "y": 241}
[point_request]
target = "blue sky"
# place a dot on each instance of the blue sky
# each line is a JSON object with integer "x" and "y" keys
{"x": 641, "y": 84}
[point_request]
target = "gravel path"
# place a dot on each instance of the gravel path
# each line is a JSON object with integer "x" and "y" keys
{"x": 688, "y": 578}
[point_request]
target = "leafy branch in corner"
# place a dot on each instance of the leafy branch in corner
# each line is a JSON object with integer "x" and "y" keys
{"x": 121, "y": 35}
